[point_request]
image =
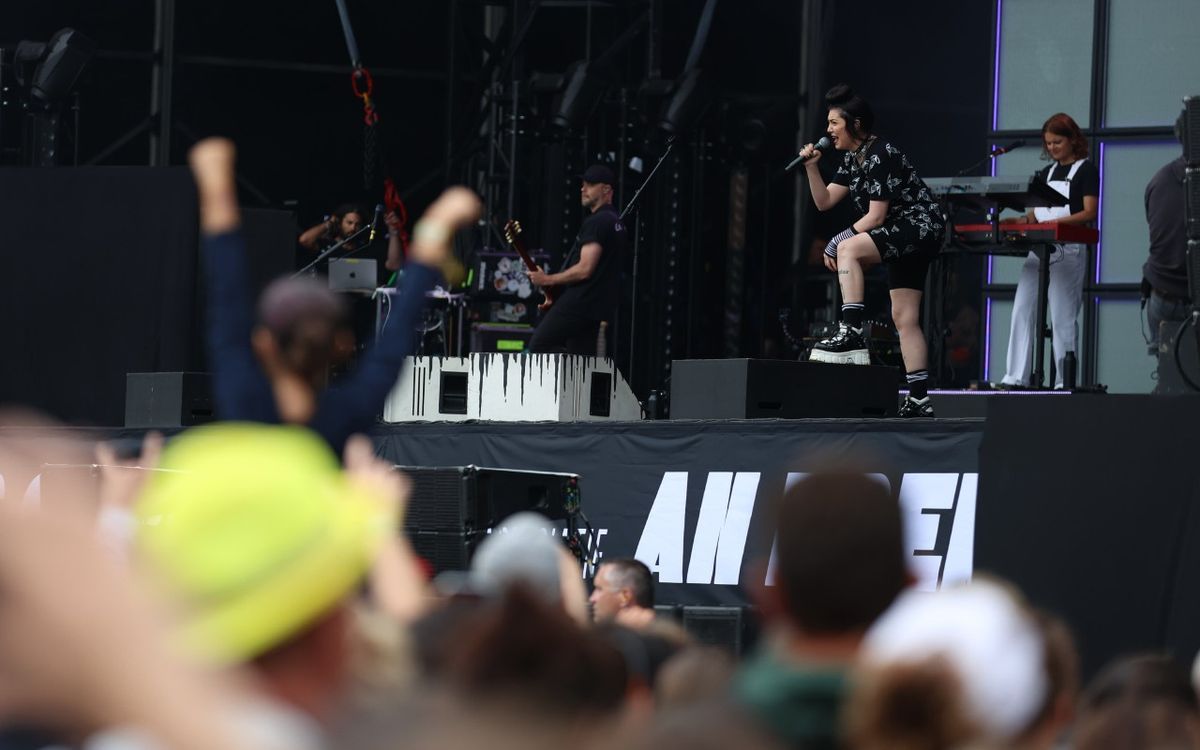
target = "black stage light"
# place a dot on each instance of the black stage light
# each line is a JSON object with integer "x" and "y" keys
{"x": 686, "y": 103}
{"x": 67, "y": 53}
{"x": 580, "y": 95}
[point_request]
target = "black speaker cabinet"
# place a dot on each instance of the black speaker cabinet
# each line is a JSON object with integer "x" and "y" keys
{"x": 450, "y": 509}
{"x": 768, "y": 388}
{"x": 167, "y": 399}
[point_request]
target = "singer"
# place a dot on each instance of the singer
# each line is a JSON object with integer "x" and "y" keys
{"x": 900, "y": 227}
{"x": 1071, "y": 174}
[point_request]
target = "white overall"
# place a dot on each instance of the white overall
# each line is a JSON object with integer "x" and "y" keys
{"x": 1064, "y": 297}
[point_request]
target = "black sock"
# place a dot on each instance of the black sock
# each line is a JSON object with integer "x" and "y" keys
{"x": 852, "y": 313}
{"x": 918, "y": 383}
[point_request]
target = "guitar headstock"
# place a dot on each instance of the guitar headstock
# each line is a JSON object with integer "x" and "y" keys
{"x": 512, "y": 230}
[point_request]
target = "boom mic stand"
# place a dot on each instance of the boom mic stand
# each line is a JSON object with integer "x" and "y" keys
{"x": 333, "y": 248}
{"x": 636, "y": 234}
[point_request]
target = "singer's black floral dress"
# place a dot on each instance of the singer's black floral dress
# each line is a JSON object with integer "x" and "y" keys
{"x": 878, "y": 171}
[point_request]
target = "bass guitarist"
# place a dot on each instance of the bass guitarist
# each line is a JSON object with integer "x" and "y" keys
{"x": 587, "y": 290}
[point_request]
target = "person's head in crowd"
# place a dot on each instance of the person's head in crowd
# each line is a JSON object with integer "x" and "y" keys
{"x": 839, "y": 558}
{"x": 522, "y": 551}
{"x": 644, "y": 654}
{"x": 522, "y": 652}
{"x": 303, "y": 330}
{"x": 1062, "y": 694}
{"x": 1144, "y": 701}
{"x": 261, "y": 541}
{"x": 623, "y": 592}
{"x": 694, "y": 676}
{"x": 949, "y": 669}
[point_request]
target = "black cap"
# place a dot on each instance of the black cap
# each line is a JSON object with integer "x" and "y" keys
{"x": 598, "y": 173}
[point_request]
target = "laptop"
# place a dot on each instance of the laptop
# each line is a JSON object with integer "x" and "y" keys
{"x": 353, "y": 275}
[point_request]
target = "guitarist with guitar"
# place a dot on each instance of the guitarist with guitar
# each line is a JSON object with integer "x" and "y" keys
{"x": 587, "y": 290}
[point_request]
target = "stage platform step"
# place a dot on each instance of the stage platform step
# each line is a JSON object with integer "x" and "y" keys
{"x": 974, "y": 404}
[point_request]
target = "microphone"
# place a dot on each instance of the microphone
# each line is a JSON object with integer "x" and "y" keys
{"x": 375, "y": 222}
{"x": 822, "y": 145}
{"x": 1005, "y": 149}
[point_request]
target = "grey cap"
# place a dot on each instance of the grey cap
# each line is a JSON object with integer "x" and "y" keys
{"x": 520, "y": 550}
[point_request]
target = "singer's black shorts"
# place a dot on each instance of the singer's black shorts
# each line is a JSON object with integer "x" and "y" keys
{"x": 907, "y": 248}
{"x": 908, "y": 272}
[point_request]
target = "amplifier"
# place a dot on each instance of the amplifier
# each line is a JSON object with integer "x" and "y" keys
{"x": 500, "y": 337}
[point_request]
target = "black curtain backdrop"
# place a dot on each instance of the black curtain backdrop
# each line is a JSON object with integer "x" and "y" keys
{"x": 97, "y": 279}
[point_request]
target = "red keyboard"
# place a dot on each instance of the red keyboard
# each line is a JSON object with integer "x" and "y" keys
{"x": 1028, "y": 233}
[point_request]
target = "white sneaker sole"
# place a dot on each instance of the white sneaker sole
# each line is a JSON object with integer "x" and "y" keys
{"x": 853, "y": 357}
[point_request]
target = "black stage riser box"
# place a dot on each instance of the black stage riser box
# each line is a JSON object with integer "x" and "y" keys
{"x": 780, "y": 389}
{"x": 167, "y": 399}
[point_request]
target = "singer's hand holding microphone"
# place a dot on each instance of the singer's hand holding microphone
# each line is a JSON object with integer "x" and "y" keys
{"x": 811, "y": 153}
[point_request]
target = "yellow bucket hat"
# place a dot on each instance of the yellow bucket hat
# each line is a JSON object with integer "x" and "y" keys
{"x": 257, "y": 532}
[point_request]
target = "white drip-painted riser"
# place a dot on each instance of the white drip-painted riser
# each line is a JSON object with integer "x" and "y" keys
{"x": 505, "y": 387}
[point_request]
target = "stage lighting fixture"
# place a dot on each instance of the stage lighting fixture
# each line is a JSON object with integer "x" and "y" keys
{"x": 580, "y": 94}
{"x": 55, "y": 65}
{"x": 686, "y": 103}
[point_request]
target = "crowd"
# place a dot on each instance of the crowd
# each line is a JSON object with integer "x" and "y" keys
{"x": 246, "y": 586}
{"x": 246, "y": 589}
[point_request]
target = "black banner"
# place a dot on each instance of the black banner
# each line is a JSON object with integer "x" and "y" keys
{"x": 688, "y": 498}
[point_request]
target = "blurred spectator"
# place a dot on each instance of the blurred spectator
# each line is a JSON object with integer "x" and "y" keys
{"x": 261, "y": 541}
{"x": 694, "y": 676}
{"x": 623, "y": 592}
{"x": 959, "y": 667}
{"x": 273, "y": 369}
{"x": 839, "y": 563}
{"x": 1057, "y": 714}
{"x": 523, "y": 654}
{"x": 522, "y": 550}
{"x": 1141, "y": 701}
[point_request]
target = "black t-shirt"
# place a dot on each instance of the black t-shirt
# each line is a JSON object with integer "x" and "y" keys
{"x": 1085, "y": 182}
{"x": 1166, "y": 268}
{"x": 597, "y": 296}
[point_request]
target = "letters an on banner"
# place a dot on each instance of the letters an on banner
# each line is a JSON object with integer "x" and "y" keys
{"x": 689, "y": 498}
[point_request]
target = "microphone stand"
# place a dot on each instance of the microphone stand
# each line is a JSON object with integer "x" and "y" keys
{"x": 636, "y": 234}
{"x": 333, "y": 248}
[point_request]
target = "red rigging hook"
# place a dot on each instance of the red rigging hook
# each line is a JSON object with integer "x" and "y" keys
{"x": 362, "y": 74}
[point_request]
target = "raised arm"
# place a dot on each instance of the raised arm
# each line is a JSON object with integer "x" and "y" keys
{"x": 352, "y": 404}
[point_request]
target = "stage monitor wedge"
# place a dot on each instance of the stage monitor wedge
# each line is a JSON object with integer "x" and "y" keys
{"x": 781, "y": 389}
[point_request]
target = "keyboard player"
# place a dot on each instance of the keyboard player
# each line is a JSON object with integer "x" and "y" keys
{"x": 1073, "y": 175}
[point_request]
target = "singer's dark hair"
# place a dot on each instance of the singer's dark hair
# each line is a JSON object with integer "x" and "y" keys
{"x": 860, "y": 118}
{"x": 1062, "y": 124}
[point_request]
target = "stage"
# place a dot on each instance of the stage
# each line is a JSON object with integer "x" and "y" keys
{"x": 1086, "y": 502}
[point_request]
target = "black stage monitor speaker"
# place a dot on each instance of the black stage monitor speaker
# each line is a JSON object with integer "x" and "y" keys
{"x": 716, "y": 626}
{"x": 452, "y": 508}
{"x": 768, "y": 388}
{"x": 167, "y": 399}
